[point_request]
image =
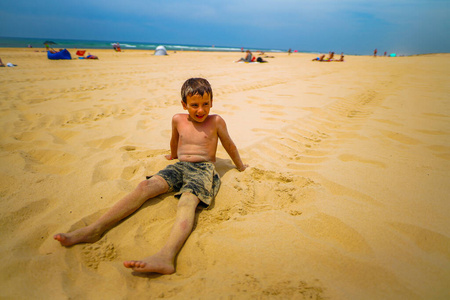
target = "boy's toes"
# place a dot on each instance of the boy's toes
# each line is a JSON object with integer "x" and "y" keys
{"x": 134, "y": 264}
{"x": 60, "y": 238}
{"x": 128, "y": 264}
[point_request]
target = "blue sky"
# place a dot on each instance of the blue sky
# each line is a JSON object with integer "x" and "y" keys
{"x": 351, "y": 26}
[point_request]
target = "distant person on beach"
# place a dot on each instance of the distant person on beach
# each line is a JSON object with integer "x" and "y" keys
{"x": 375, "y": 52}
{"x": 248, "y": 57}
{"x": 194, "y": 143}
{"x": 90, "y": 56}
{"x": 116, "y": 47}
{"x": 341, "y": 58}
{"x": 261, "y": 60}
{"x": 319, "y": 58}
{"x": 7, "y": 65}
{"x": 331, "y": 54}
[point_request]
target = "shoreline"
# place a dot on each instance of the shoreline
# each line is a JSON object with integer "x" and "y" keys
{"x": 43, "y": 49}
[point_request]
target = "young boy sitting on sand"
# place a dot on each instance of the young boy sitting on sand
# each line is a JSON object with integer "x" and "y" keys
{"x": 194, "y": 142}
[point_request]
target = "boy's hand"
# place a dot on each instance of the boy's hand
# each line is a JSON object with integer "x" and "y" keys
{"x": 241, "y": 169}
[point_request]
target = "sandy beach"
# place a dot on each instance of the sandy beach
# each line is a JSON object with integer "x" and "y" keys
{"x": 346, "y": 196}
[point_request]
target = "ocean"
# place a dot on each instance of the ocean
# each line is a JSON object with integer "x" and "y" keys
{"x": 12, "y": 42}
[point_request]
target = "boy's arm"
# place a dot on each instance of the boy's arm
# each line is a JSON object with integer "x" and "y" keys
{"x": 229, "y": 145}
{"x": 173, "y": 140}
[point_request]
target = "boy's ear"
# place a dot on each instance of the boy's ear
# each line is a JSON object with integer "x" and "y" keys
{"x": 184, "y": 105}
{"x": 211, "y": 100}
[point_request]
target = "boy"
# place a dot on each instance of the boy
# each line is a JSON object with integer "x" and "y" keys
{"x": 194, "y": 142}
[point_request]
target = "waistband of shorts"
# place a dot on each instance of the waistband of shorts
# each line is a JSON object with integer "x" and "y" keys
{"x": 197, "y": 163}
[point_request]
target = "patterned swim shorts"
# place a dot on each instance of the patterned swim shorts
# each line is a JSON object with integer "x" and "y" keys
{"x": 200, "y": 179}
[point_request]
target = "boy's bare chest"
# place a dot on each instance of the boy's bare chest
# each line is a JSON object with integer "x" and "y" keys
{"x": 196, "y": 134}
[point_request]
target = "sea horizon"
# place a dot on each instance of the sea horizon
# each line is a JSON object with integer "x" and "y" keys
{"x": 23, "y": 42}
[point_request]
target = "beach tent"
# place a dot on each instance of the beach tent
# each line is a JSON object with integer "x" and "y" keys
{"x": 160, "y": 50}
{"x": 393, "y": 55}
{"x": 63, "y": 54}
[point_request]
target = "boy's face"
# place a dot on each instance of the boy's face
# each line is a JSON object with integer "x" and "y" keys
{"x": 198, "y": 106}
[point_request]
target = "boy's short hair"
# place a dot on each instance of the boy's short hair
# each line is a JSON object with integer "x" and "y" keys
{"x": 195, "y": 86}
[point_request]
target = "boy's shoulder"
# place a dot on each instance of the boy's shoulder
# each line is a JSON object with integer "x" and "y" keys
{"x": 180, "y": 115}
{"x": 216, "y": 119}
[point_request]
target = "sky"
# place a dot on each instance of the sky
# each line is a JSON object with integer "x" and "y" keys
{"x": 349, "y": 26}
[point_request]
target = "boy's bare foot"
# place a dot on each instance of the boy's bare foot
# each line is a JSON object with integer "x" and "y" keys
{"x": 153, "y": 264}
{"x": 82, "y": 235}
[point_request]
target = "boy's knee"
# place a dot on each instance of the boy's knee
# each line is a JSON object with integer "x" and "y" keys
{"x": 153, "y": 184}
{"x": 188, "y": 200}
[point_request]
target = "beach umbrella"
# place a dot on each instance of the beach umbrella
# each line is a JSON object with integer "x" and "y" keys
{"x": 47, "y": 43}
{"x": 160, "y": 50}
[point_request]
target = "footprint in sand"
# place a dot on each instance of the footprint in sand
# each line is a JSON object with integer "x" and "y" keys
{"x": 105, "y": 143}
{"x": 105, "y": 171}
{"x": 399, "y": 137}
{"x": 440, "y": 151}
{"x": 49, "y": 161}
{"x": 289, "y": 289}
{"x": 134, "y": 153}
{"x": 11, "y": 222}
{"x": 267, "y": 190}
{"x": 128, "y": 148}
{"x": 333, "y": 231}
{"x": 427, "y": 240}
{"x": 129, "y": 172}
{"x": 286, "y": 289}
{"x": 93, "y": 254}
{"x": 349, "y": 157}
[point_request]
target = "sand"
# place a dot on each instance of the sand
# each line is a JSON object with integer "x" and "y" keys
{"x": 346, "y": 197}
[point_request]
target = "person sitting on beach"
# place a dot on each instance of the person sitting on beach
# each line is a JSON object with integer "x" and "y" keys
{"x": 1, "y": 63}
{"x": 248, "y": 57}
{"x": 194, "y": 142}
{"x": 319, "y": 58}
{"x": 331, "y": 56}
{"x": 341, "y": 58}
{"x": 116, "y": 47}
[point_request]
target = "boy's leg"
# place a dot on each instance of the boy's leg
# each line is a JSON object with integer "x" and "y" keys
{"x": 163, "y": 261}
{"x": 127, "y": 205}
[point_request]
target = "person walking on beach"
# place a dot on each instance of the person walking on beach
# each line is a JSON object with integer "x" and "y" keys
{"x": 194, "y": 142}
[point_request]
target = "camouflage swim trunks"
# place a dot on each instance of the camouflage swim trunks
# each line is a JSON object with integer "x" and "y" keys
{"x": 200, "y": 179}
